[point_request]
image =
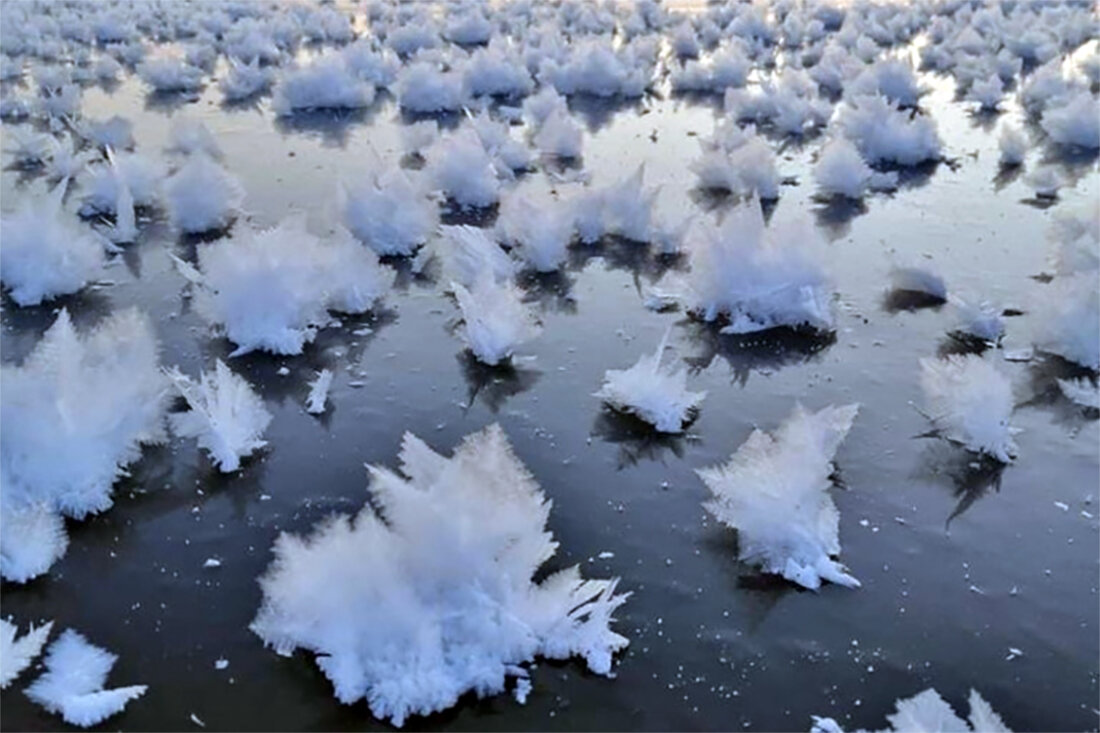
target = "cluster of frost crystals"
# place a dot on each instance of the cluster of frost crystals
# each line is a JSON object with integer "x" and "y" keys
{"x": 243, "y": 81}
{"x": 202, "y": 195}
{"x": 460, "y": 167}
{"x": 539, "y": 229}
{"x": 841, "y": 171}
{"x": 970, "y": 402}
{"x": 327, "y": 83}
{"x": 170, "y": 74}
{"x": 318, "y": 392}
{"x": 272, "y": 289}
{"x": 775, "y": 492}
{"x": 72, "y": 685}
{"x": 84, "y": 405}
{"x": 623, "y": 209}
{"x": 390, "y": 212}
{"x": 47, "y": 252}
{"x": 885, "y": 134}
{"x": 1069, "y": 310}
{"x": 425, "y": 88}
{"x": 17, "y": 655}
{"x": 1074, "y": 121}
{"x": 226, "y": 415}
{"x": 654, "y": 394}
{"x": 739, "y": 164}
{"x": 495, "y": 319}
{"x": 465, "y": 255}
{"x": 927, "y": 711}
{"x": 593, "y": 66}
{"x": 418, "y": 604}
{"x": 759, "y": 278}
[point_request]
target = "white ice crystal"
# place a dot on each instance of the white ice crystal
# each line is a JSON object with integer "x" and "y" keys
{"x": 460, "y": 167}
{"x": 1013, "y": 145}
{"x": 495, "y": 319}
{"x": 1074, "y": 122}
{"x": 918, "y": 280}
{"x": 988, "y": 93}
{"x": 84, "y": 406}
{"x": 775, "y": 492}
{"x": 623, "y": 209}
{"x": 1069, "y": 319}
{"x": 423, "y": 87}
{"x": 27, "y": 147}
{"x": 272, "y": 289}
{"x": 245, "y": 80}
{"x": 1082, "y": 391}
{"x": 559, "y": 135}
{"x": 226, "y": 415}
{"x": 116, "y": 133}
{"x": 202, "y": 195}
{"x": 72, "y": 685}
{"x": 390, "y": 212}
{"x": 886, "y": 134}
{"x": 539, "y": 228}
{"x": 926, "y": 712}
{"x": 170, "y": 74}
{"x": 841, "y": 171}
{"x": 748, "y": 168}
{"x": 15, "y": 656}
{"x": 759, "y": 278}
{"x": 656, "y": 395}
{"x": 326, "y": 83}
{"x": 318, "y": 392}
{"x": 466, "y": 253}
{"x": 188, "y": 136}
{"x": 415, "y": 605}
{"x": 970, "y": 402}
{"x": 980, "y": 320}
{"x": 47, "y": 252}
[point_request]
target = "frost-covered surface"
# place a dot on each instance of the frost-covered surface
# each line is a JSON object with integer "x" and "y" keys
{"x": 47, "y": 252}
{"x": 73, "y": 684}
{"x": 969, "y": 401}
{"x": 225, "y": 414}
{"x": 435, "y": 619}
{"x": 272, "y": 289}
{"x": 202, "y": 195}
{"x": 84, "y": 406}
{"x": 758, "y": 278}
{"x": 17, "y": 654}
{"x": 494, "y": 319}
{"x": 655, "y": 394}
{"x": 775, "y": 492}
{"x": 927, "y": 711}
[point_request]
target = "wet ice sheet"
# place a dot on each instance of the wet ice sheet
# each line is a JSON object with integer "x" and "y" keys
{"x": 960, "y": 561}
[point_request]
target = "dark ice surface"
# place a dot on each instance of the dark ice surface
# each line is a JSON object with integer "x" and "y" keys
{"x": 960, "y": 561}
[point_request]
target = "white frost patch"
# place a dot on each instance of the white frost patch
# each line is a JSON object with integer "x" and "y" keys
{"x": 72, "y": 685}
{"x": 655, "y": 395}
{"x": 460, "y": 167}
{"x": 47, "y": 252}
{"x": 885, "y": 134}
{"x": 495, "y": 319}
{"x": 774, "y": 491}
{"x": 1082, "y": 391}
{"x": 760, "y": 278}
{"x": 272, "y": 289}
{"x": 326, "y": 83}
{"x": 390, "y": 212}
{"x": 226, "y": 415}
{"x": 245, "y": 80}
{"x": 466, "y": 254}
{"x": 1069, "y": 319}
{"x": 623, "y": 209}
{"x": 918, "y": 280}
{"x": 539, "y": 228}
{"x": 1074, "y": 122}
{"x": 424, "y": 601}
{"x": 970, "y": 402}
{"x": 841, "y": 171}
{"x": 927, "y": 711}
{"x": 16, "y": 656}
{"x": 203, "y": 195}
{"x": 84, "y": 406}
{"x": 170, "y": 74}
{"x": 318, "y": 392}
{"x": 1013, "y": 145}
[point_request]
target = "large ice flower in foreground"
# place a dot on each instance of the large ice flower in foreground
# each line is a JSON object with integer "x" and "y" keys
{"x": 17, "y": 655}
{"x": 928, "y": 711}
{"x": 774, "y": 492}
{"x": 81, "y": 407}
{"x": 427, "y": 599}
{"x": 658, "y": 396}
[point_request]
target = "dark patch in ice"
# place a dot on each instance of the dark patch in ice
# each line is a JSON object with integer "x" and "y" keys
{"x": 763, "y": 351}
{"x": 636, "y": 439}
{"x": 968, "y": 475}
{"x": 494, "y": 385}
{"x": 896, "y": 301}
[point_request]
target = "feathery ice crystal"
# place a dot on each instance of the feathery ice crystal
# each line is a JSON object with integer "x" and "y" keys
{"x": 202, "y": 195}
{"x": 442, "y": 602}
{"x": 84, "y": 406}
{"x": 16, "y": 656}
{"x": 72, "y": 685}
{"x": 970, "y": 402}
{"x": 927, "y": 711}
{"x": 226, "y": 415}
{"x": 495, "y": 319}
{"x": 775, "y": 492}
{"x": 655, "y": 395}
